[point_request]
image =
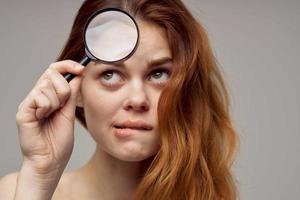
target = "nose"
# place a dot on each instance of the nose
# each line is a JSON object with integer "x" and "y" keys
{"x": 137, "y": 99}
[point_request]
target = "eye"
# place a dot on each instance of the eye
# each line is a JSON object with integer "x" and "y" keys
{"x": 160, "y": 75}
{"x": 110, "y": 77}
{"x": 113, "y": 77}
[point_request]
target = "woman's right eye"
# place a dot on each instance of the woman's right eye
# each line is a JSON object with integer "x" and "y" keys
{"x": 110, "y": 77}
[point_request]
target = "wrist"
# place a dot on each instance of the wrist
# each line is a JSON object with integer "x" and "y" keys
{"x": 34, "y": 185}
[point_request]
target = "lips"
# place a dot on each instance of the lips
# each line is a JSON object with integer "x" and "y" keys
{"x": 139, "y": 125}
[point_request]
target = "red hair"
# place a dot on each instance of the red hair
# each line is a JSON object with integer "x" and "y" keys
{"x": 198, "y": 140}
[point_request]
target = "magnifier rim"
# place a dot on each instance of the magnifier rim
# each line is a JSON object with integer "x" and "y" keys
{"x": 105, "y": 10}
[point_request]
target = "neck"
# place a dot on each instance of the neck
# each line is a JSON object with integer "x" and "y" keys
{"x": 111, "y": 178}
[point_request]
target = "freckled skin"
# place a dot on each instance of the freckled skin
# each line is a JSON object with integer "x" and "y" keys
{"x": 132, "y": 89}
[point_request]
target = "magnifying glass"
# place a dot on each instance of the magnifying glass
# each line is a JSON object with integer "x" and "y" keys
{"x": 110, "y": 35}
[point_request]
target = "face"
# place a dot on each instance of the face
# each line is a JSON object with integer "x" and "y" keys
{"x": 113, "y": 94}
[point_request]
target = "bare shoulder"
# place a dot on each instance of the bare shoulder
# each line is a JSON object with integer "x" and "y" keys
{"x": 64, "y": 189}
{"x": 8, "y": 186}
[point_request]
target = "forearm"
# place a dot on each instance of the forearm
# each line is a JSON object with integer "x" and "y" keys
{"x": 35, "y": 186}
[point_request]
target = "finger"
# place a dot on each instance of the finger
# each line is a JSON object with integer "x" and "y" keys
{"x": 60, "y": 85}
{"x": 50, "y": 93}
{"x": 42, "y": 104}
{"x": 35, "y": 106}
{"x": 67, "y": 66}
{"x": 69, "y": 108}
{"x": 75, "y": 88}
{"x": 63, "y": 67}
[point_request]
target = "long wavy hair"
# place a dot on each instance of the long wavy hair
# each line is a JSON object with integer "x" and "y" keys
{"x": 198, "y": 139}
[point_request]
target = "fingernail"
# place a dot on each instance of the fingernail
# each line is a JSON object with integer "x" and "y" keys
{"x": 79, "y": 66}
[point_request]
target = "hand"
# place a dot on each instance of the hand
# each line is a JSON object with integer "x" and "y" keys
{"x": 45, "y": 119}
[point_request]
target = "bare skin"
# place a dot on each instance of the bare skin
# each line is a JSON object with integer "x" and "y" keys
{"x": 116, "y": 168}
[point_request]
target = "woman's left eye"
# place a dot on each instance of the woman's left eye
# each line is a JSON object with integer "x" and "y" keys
{"x": 160, "y": 75}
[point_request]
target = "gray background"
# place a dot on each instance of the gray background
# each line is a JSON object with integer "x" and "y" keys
{"x": 257, "y": 44}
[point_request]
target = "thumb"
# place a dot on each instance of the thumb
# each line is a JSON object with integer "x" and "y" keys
{"x": 69, "y": 108}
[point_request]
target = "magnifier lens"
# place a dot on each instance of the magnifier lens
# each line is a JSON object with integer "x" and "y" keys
{"x": 111, "y": 36}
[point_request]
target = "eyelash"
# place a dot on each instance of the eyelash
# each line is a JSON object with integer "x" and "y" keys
{"x": 164, "y": 70}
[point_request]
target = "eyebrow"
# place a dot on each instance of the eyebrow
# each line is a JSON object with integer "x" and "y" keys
{"x": 151, "y": 64}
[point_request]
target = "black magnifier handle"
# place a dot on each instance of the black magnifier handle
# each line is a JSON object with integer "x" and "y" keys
{"x": 84, "y": 62}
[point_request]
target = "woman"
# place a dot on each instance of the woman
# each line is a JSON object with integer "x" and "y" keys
{"x": 171, "y": 88}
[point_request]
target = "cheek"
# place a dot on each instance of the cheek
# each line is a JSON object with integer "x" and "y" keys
{"x": 98, "y": 101}
{"x": 100, "y": 107}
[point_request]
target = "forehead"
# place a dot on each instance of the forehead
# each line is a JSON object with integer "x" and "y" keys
{"x": 153, "y": 41}
{"x": 153, "y": 45}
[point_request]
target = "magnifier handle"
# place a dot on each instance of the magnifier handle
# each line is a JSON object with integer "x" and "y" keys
{"x": 83, "y": 62}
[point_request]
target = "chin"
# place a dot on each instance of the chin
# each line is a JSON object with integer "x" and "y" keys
{"x": 134, "y": 153}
